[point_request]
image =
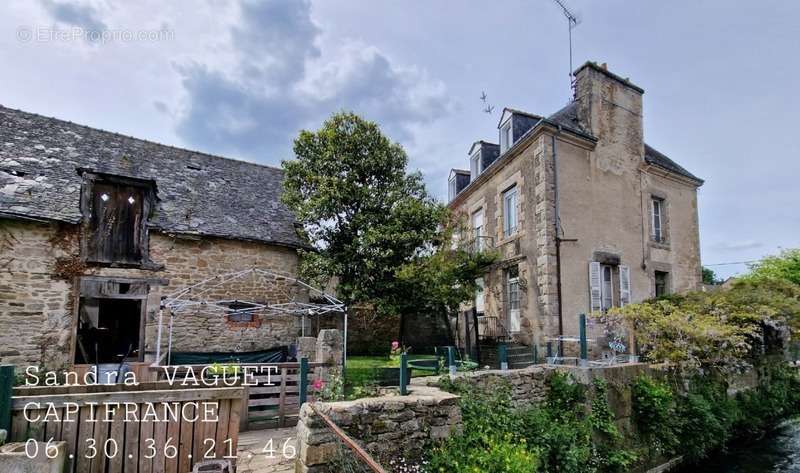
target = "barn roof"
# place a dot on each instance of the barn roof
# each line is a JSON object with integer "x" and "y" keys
{"x": 42, "y": 158}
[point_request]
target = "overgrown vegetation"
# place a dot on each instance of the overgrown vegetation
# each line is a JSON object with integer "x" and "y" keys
{"x": 782, "y": 267}
{"x": 667, "y": 414}
{"x": 716, "y": 331}
{"x": 563, "y": 434}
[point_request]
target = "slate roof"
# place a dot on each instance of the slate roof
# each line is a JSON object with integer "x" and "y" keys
{"x": 198, "y": 193}
{"x": 567, "y": 118}
{"x": 655, "y": 157}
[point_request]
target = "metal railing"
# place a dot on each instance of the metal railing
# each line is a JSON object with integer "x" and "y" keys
{"x": 492, "y": 329}
{"x": 478, "y": 244}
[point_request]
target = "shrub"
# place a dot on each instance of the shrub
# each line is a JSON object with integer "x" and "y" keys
{"x": 722, "y": 331}
{"x": 654, "y": 414}
{"x": 495, "y": 455}
{"x": 707, "y": 415}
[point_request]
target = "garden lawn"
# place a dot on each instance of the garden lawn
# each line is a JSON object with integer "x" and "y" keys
{"x": 361, "y": 369}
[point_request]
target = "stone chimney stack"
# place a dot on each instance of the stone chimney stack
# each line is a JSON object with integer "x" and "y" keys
{"x": 610, "y": 106}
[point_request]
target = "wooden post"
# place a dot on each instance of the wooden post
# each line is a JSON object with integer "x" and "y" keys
{"x": 303, "y": 380}
{"x": 6, "y": 386}
{"x": 584, "y": 345}
{"x": 403, "y": 374}
{"x": 502, "y": 355}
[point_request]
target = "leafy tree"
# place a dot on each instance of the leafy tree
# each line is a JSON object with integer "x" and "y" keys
{"x": 709, "y": 276}
{"x": 372, "y": 225}
{"x": 363, "y": 214}
{"x": 784, "y": 266}
{"x": 438, "y": 280}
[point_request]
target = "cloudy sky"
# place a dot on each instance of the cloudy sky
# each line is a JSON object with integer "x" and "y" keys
{"x": 241, "y": 79}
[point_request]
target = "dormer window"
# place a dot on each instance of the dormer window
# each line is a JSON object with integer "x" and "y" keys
{"x": 451, "y": 187}
{"x": 475, "y": 165}
{"x": 506, "y": 136}
{"x": 116, "y": 211}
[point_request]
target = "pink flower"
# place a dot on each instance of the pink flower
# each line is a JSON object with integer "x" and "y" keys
{"x": 317, "y": 384}
{"x": 395, "y": 345}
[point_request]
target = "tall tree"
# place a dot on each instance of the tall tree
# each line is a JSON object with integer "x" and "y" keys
{"x": 709, "y": 276}
{"x": 363, "y": 213}
{"x": 784, "y": 266}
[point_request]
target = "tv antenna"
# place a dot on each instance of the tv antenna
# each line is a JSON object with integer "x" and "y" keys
{"x": 572, "y": 21}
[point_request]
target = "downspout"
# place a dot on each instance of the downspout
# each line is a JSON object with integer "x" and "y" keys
{"x": 558, "y": 245}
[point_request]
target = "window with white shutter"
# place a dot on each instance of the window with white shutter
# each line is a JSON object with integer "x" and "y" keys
{"x": 624, "y": 286}
{"x": 595, "y": 287}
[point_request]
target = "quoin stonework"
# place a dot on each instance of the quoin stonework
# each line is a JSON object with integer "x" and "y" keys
{"x": 585, "y": 215}
{"x": 96, "y": 227}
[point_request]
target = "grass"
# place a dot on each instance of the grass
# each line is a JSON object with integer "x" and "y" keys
{"x": 360, "y": 369}
{"x": 359, "y": 362}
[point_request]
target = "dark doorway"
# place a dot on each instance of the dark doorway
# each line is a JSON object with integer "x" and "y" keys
{"x": 109, "y": 330}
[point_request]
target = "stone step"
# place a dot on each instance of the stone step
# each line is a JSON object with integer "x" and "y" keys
{"x": 520, "y": 357}
{"x": 520, "y": 351}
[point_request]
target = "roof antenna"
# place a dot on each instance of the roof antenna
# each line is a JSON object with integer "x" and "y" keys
{"x": 572, "y": 21}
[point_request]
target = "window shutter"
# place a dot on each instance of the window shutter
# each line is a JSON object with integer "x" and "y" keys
{"x": 624, "y": 286}
{"x": 595, "y": 291}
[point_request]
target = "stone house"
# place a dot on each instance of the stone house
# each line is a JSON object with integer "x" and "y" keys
{"x": 95, "y": 227}
{"x": 585, "y": 215}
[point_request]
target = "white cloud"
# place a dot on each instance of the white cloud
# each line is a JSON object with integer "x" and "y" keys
{"x": 282, "y": 81}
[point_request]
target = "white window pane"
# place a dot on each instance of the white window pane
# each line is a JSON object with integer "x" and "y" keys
{"x": 479, "y": 296}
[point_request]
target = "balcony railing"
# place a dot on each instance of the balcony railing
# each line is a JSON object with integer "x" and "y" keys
{"x": 478, "y": 244}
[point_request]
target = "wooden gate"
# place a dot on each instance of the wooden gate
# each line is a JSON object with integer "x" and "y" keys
{"x": 149, "y": 428}
{"x": 275, "y": 401}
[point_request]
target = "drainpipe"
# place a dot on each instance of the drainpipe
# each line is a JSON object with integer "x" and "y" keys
{"x": 558, "y": 245}
{"x": 559, "y": 240}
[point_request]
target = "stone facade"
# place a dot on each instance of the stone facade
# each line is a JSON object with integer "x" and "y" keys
{"x": 40, "y": 289}
{"x": 387, "y": 427}
{"x": 585, "y": 182}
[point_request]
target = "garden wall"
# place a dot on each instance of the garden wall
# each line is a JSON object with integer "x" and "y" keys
{"x": 391, "y": 427}
{"x": 528, "y": 385}
{"x": 387, "y": 427}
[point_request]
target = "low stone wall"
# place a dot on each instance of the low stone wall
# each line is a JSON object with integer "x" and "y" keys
{"x": 401, "y": 426}
{"x": 528, "y": 385}
{"x": 386, "y": 427}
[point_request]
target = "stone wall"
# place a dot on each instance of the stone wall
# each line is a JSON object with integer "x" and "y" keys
{"x": 394, "y": 426}
{"x": 599, "y": 191}
{"x": 387, "y": 427}
{"x": 528, "y": 385}
{"x": 40, "y": 266}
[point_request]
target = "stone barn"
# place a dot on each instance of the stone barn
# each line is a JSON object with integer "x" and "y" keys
{"x": 95, "y": 227}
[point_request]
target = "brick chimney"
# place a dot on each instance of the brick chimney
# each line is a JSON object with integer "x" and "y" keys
{"x": 610, "y": 106}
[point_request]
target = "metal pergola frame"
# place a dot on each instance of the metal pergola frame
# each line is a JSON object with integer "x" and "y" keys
{"x": 193, "y": 299}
